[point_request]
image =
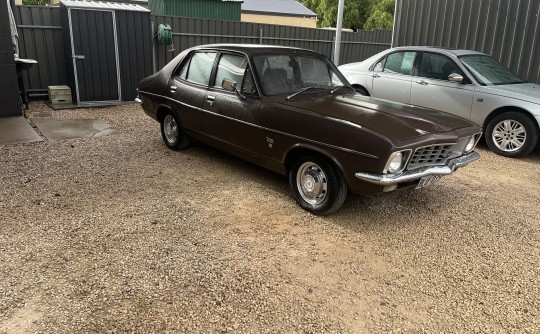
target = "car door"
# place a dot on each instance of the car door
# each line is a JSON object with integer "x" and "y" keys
{"x": 189, "y": 85}
{"x": 231, "y": 117}
{"x": 431, "y": 87}
{"x": 391, "y": 77}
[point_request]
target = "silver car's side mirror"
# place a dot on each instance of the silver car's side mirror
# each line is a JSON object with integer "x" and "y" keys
{"x": 230, "y": 85}
{"x": 454, "y": 77}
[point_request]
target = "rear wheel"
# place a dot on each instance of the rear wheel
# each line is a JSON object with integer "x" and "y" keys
{"x": 172, "y": 133}
{"x": 512, "y": 134}
{"x": 317, "y": 185}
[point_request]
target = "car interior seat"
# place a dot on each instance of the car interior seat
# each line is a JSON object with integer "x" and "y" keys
{"x": 275, "y": 81}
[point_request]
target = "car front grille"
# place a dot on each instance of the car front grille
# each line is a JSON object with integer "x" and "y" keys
{"x": 434, "y": 155}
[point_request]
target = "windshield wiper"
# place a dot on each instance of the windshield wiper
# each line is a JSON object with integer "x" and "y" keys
{"x": 339, "y": 87}
{"x": 300, "y": 91}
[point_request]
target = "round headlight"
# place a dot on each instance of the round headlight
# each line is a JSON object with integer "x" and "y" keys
{"x": 395, "y": 161}
{"x": 470, "y": 144}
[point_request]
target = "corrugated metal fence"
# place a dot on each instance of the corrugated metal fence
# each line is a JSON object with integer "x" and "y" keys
{"x": 509, "y": 30}
{"x": 188, "y": 32}
{"x": 40, "y": 38}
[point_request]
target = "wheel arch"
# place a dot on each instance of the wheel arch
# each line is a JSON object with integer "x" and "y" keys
{"x": 300, "y": 150}
{"x": 164, "y": 109}
{"x": 356, "y": 85}
{"x": 504, "y": 109}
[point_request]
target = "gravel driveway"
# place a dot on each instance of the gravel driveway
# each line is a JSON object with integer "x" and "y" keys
{"x": 120, "y": 234}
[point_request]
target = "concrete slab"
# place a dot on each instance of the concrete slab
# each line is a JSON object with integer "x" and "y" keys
{"x": 59, "y": 129}
{"x": 16, "y": 130}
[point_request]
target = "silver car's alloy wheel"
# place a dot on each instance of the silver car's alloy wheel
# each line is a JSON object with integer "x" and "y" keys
{"x": 312, "y": 183}
{"x": 170, "y": 129}
{"x": 509, "y": 135}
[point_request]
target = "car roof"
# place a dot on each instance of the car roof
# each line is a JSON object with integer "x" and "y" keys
{"x": 448, "y": 51}
{"x": 252, "y": 49}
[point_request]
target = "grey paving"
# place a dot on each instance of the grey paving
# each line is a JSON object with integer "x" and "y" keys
{"x": 60, "y": 129}
{"x": 16, "y": 130}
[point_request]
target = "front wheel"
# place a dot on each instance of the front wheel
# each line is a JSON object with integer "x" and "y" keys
{"x": 317, "y": 186}
{"x": 361, "y": 90}
{"x": 172, "y": 133}
{"x": 512, "y": 134}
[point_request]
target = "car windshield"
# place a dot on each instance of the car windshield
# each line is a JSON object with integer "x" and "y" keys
{"x": 285, "y": 74}
{"x": 488, "y": 71}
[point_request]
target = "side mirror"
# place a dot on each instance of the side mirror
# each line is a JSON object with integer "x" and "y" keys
{"x": 454, "y": 77}
{"x": 230, "y": 86}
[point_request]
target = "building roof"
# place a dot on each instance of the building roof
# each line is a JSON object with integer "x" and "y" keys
{"x": 90, "y": 4}
{"x": 280, "y": 7}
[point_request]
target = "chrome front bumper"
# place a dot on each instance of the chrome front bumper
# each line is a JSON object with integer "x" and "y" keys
{"x": 388, "y": 180}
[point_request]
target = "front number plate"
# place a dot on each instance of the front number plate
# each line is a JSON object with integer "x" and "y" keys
{"x": 428, "y": 180}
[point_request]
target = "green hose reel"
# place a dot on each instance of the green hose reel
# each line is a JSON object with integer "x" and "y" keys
{"x": 164, "y": 34}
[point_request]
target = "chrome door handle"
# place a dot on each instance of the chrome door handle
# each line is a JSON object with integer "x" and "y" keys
{"x": 78, "y": 56}
{"x": 210, "y": 98}
{"x": 422, "y": 82}
{"x": 375, "y": 75}
{"x": 173, "y": 88}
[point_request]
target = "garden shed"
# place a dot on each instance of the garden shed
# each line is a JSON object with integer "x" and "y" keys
{"x": 228, "y": 10}
{"x": 108, "y": 49}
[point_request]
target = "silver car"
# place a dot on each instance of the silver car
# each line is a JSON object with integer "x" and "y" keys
{"x": 466, "y": 83}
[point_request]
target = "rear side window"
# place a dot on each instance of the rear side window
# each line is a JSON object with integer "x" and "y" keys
{"x": 400, "y": 62}
{"x": 198, "y": 68}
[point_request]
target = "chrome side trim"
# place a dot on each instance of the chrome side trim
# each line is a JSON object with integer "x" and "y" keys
{"x": 385, "y": 179}
{"x": 266, "y": 129}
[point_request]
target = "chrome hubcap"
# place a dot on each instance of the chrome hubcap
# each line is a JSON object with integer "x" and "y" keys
{"x": 509, "y": 135}
{"x": 170, "y": 129}
{"x": 312, "y": 183}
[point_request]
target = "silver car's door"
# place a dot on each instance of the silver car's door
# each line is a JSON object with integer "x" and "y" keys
{"x": 432, "y": 88}
{"x": 391, "y": 77}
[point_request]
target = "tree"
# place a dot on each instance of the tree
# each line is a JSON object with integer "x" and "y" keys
{"x": 381, "y": 15}
{"x": 357, "y": 14}
{"x": 35, "y": 2}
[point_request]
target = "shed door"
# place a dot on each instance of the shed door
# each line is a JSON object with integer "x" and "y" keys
{"x": 95, "y": 55}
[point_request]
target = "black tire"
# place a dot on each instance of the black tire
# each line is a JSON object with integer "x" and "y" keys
{"x": 317, "y": 185}
{"x": 512, "y": 134}
{"x": 361, "y": 90}
{"x": 172, "y": 133}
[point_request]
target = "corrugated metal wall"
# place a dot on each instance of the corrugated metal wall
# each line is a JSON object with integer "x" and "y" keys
{"x": 509, "y": 30}
{"x": 208, "y": 9}
{"x": 188, "y": 32}
{"x": 40, "y": 38}
{"x": 40, "y": 32}
{"x": 135, "y": 50}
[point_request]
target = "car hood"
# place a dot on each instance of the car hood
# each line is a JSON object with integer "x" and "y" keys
{"x": 395, "y": 121}
{"x": 526, "y": 91}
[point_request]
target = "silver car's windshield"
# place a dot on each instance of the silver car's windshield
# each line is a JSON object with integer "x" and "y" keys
{"x": 488, "y": 71}
{"x": 286, "y": 74}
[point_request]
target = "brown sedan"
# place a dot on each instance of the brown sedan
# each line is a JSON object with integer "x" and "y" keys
{"x": 292, "y": 111}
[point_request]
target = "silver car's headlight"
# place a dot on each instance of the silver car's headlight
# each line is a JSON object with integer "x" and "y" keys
{"x": 395, "y": 163}
{"x": 471, "y": 144}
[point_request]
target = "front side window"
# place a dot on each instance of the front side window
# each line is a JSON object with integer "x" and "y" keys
{"x": 289, "y": 73}
{"x": 231, "y": 67}
{"x": 198, "y": 68}
{"x": 400, "y": 63}
{"x": 488, "y": 71}
{"x": 436, "y": 66}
